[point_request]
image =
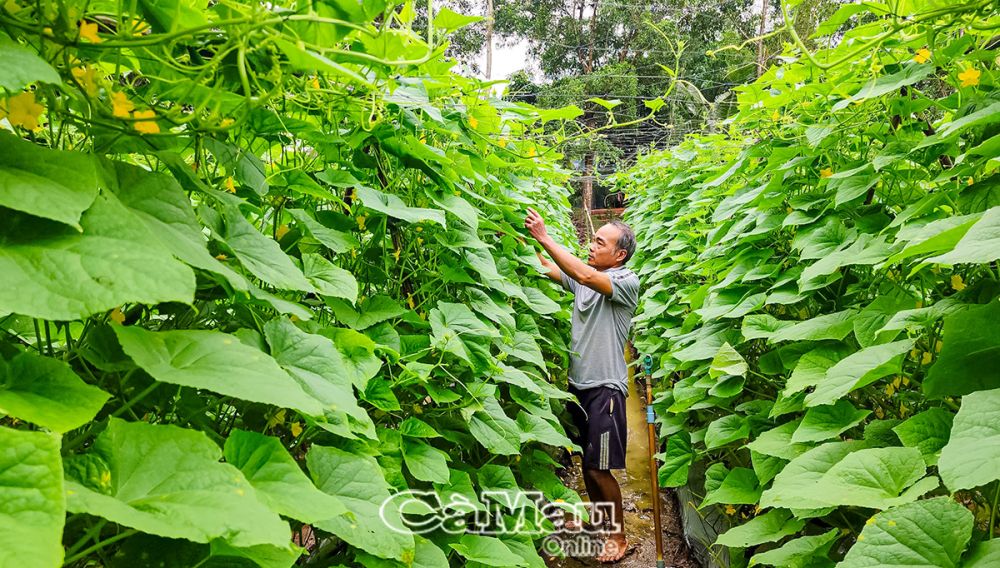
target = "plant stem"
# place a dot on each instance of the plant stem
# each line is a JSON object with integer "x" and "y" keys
{"x": 993, "y": 510}
{"x": 120, "y": 536}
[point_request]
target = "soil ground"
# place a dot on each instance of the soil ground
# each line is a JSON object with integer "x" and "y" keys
{"x": 640, "y": 529}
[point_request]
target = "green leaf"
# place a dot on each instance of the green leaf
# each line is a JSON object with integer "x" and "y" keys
{"x": 425, "y": 462}
{"x": 449, "y": 20}
{"x": 852, "y": 184}
{"x": 46, "y": 183}
{"x": 983, "y": 555}
{"x": 726, "y": 430}
{"x": 677, "y": 460}
{"x": 337, "y": 241}
{"x": 173, "y": 15}
{"x": 393, "y": 206}
{"x": 875, "y": 478}
{"x": 831, "y": 326}
{"x": 769, "y": 527}
{"x": 358, "y": 482}
{"x": 537, "y": 429}
{"x": 20, "y": 66}
{"x": 369, "y": 312}
{"x": 910, "y": 74}
{"x": 931, "y": 533}
{"x": 972, "y": 456}
{"x": 824, "y": 422}
{"x": 247, "y": 168}
{"x": 261, "y": 255}
{"x": 539, "y": 302}
{"x": 307, "y": 60}
{"x": 777, "y": 442}
{"x": 927, "y": 432}
{"x": 32, "y": 503}
{"x": 797, "y": 486}
{"x": 981, "y": 244}
{"x": 524, "y": 347}
{"x": 797, "y": 553}
{"x": 457, "y": 330}
{"x": 487, "y": 550}
{"x": 858, "y": 370}
{"x": 417, "y": 428}
{"x": 85, "y": 273}
{"x": 970, "y": 357}
{"x": 495, "y": 430}
{"x": 329, "y": 279}
{"x": 517, "y": 377}
{"x": 168, "y": 481}
{"x": 740, "y": 487}
{"x": 279, "y": 482}
{"x": 727, "y": 361}
{"x": 812, "y": 367}
{"x": 217, "y": 362}
{"x": 47, "y": 392}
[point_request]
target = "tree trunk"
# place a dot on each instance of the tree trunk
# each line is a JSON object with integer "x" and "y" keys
{"x": 761, "y": 55}
{"x": 489, "y": 39}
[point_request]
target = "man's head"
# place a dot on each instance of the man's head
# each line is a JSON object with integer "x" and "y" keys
{"x": 613, "y": 244}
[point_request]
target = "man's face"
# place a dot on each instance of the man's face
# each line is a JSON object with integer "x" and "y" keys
{"x": 604, "y": 251}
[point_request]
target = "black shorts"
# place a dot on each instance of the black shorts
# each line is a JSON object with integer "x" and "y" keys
{"x": 600, "y": 420}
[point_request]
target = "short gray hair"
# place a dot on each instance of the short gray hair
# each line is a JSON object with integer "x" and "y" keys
{"x": 626, "y": 240}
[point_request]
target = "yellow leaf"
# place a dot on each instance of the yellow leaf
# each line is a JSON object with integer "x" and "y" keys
{"x": 120, "y": 105}
{"x": 970, "y": 77}
{"x": 410, "y": 302}
{"x": 825, "y": 173}
{"x": 730, "y": 510}
{"x": 361, "y": 222}
{"x": 296, "y": 429}
{"x": 22, "y": 110}
{"x": 923, "y": 55}
{"x": 88, "y": 31}
{"x": 938, "y": 345}
{"x": 146, "y": 126}
{"x": 926, "y": 359}
{"x": 896, "y": 382}
{"x": 276, "y": 419}
{"x": 87, "y": 78}
{"x": 396, "y": 253}
{"x": 956, "y": 283}
{"x": 889, "y": 390}
{"x": 229, "y": 185}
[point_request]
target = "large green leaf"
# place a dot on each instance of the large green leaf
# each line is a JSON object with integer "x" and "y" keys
{"x": 217, "y": 362}
{"x": 812, "y": 367}
{"x": 824, "y": 422}
{"x": 983, "y": 555}
{"x": 115, "y": 260}
{"x": 487, "y": 550}
{"x": 369, "y": 312}
{"x": 47, "y": 392}
{"x": 777, "y": 442}
{"x": 323, "y": 372}
{"x": 537, "y": 429}
{"x": 931, "y": 533}
{"x": 979, "y": 245}
{"x": 358, "y": 482}
{"x": 972, "y": 455}
{"x": 495, "y": 430}
{"x": 168, "y": 481}
{"x": 831, "y": 326}
{"x": 46, "y": 183}
{"x": 798, "y": 553}
{"x": 393, "y": 206}
{"x": 858, "y": 370}
{"x": 279, "y": 481}
{"x": 726, "y": 430}
{"x": 328, "y": 278}
{"x": 523, "y": 346}
{"x": 970, "y": 357}
{"x": 20, "y": 66}
{"x": 457, "y": 330}
{"x": 425, "y": 462}
{"x": 337, "y": 241}
{"x": 769, "y": 527}
{"x": 740, "y": 487}
{"x": 32, "y": 503}
{"x": 927, "y": 432}
{"x": 727, "y": 361}
{"x": 875, "y": 478}
{"x": 261, "y": 255}
{"x": 797, "y": 486}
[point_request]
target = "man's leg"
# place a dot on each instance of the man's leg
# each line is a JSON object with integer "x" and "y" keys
{"x": 609, "y": 492}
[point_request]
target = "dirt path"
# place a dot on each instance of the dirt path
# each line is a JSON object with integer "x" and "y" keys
{"x": 636, "y": 490}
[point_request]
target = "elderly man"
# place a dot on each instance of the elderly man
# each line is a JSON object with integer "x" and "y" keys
{"x": 606, "y": 294}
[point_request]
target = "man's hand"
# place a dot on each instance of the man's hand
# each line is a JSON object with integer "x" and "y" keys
{"x": 535, "y": 225}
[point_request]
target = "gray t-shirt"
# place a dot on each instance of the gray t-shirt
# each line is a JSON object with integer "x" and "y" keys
{"x": 600, "y": 328}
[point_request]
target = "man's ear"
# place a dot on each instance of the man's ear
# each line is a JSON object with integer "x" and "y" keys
{"x": 620, "y": 255}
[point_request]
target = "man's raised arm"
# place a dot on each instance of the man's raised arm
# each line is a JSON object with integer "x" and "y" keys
{"x": 565, "y": 262}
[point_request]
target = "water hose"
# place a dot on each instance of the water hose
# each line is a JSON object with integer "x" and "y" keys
{"x": 654, "y": 478}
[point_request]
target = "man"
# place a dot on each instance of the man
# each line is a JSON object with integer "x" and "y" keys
{"x": 605, "y": 297}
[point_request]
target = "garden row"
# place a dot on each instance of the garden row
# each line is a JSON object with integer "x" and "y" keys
{"x": 821, "y": 294}
{"x": 260, "y": 270}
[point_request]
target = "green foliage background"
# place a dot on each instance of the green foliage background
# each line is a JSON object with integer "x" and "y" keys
{"x": 821, "y": 292}
{"x": 261, "y": 268}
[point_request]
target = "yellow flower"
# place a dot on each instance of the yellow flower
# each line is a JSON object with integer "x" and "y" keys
{"x": 956, "y": 283}
{"x": 420, "y": 241}
{"x": 502, "y": 142}
{"x": 120, "y": 105}
{"x": 22, "y": 110}
{"x": 117, "y": 316}
{"x": 926, "y": 359}
{"x": 531, "y": 152}
{"x": 889, "y": 390}
{"x": 314, "y": 83}
{"x": 896, "y": 382}
{"x": 923, "y": 55}
{"x": 880, "y": 413}
{"x": 221, "y": 257}
{"x": 229, "y": 185}
{"x": 226, "y": 123}
{"x": 296, "y": 429}
{"x": 420, "y": 229}
{"x": 969, "y": 77}
{"x": 423, "y": 139}
{"x": 776, "y": 116}
{"x": 410, "y": 302}
{"x": 88, "y": 31}
{"x": 146, "y": 126}
{"x": 730, "y": 510}
{"x": 825, "y": 173}
{"x": 396, "y": 253}
{"x": 938, "y": 345}
{"x": 87, "y": 78}
{"x": 970, "y": 181}
{"x": 139, "y": 27}
{"x": 281, "y": 232}
{"x": 473, "y": 122}
{"x": 361, "y": 222}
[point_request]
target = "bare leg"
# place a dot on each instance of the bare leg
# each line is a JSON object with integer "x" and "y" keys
{"x": 606, "y": 486}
